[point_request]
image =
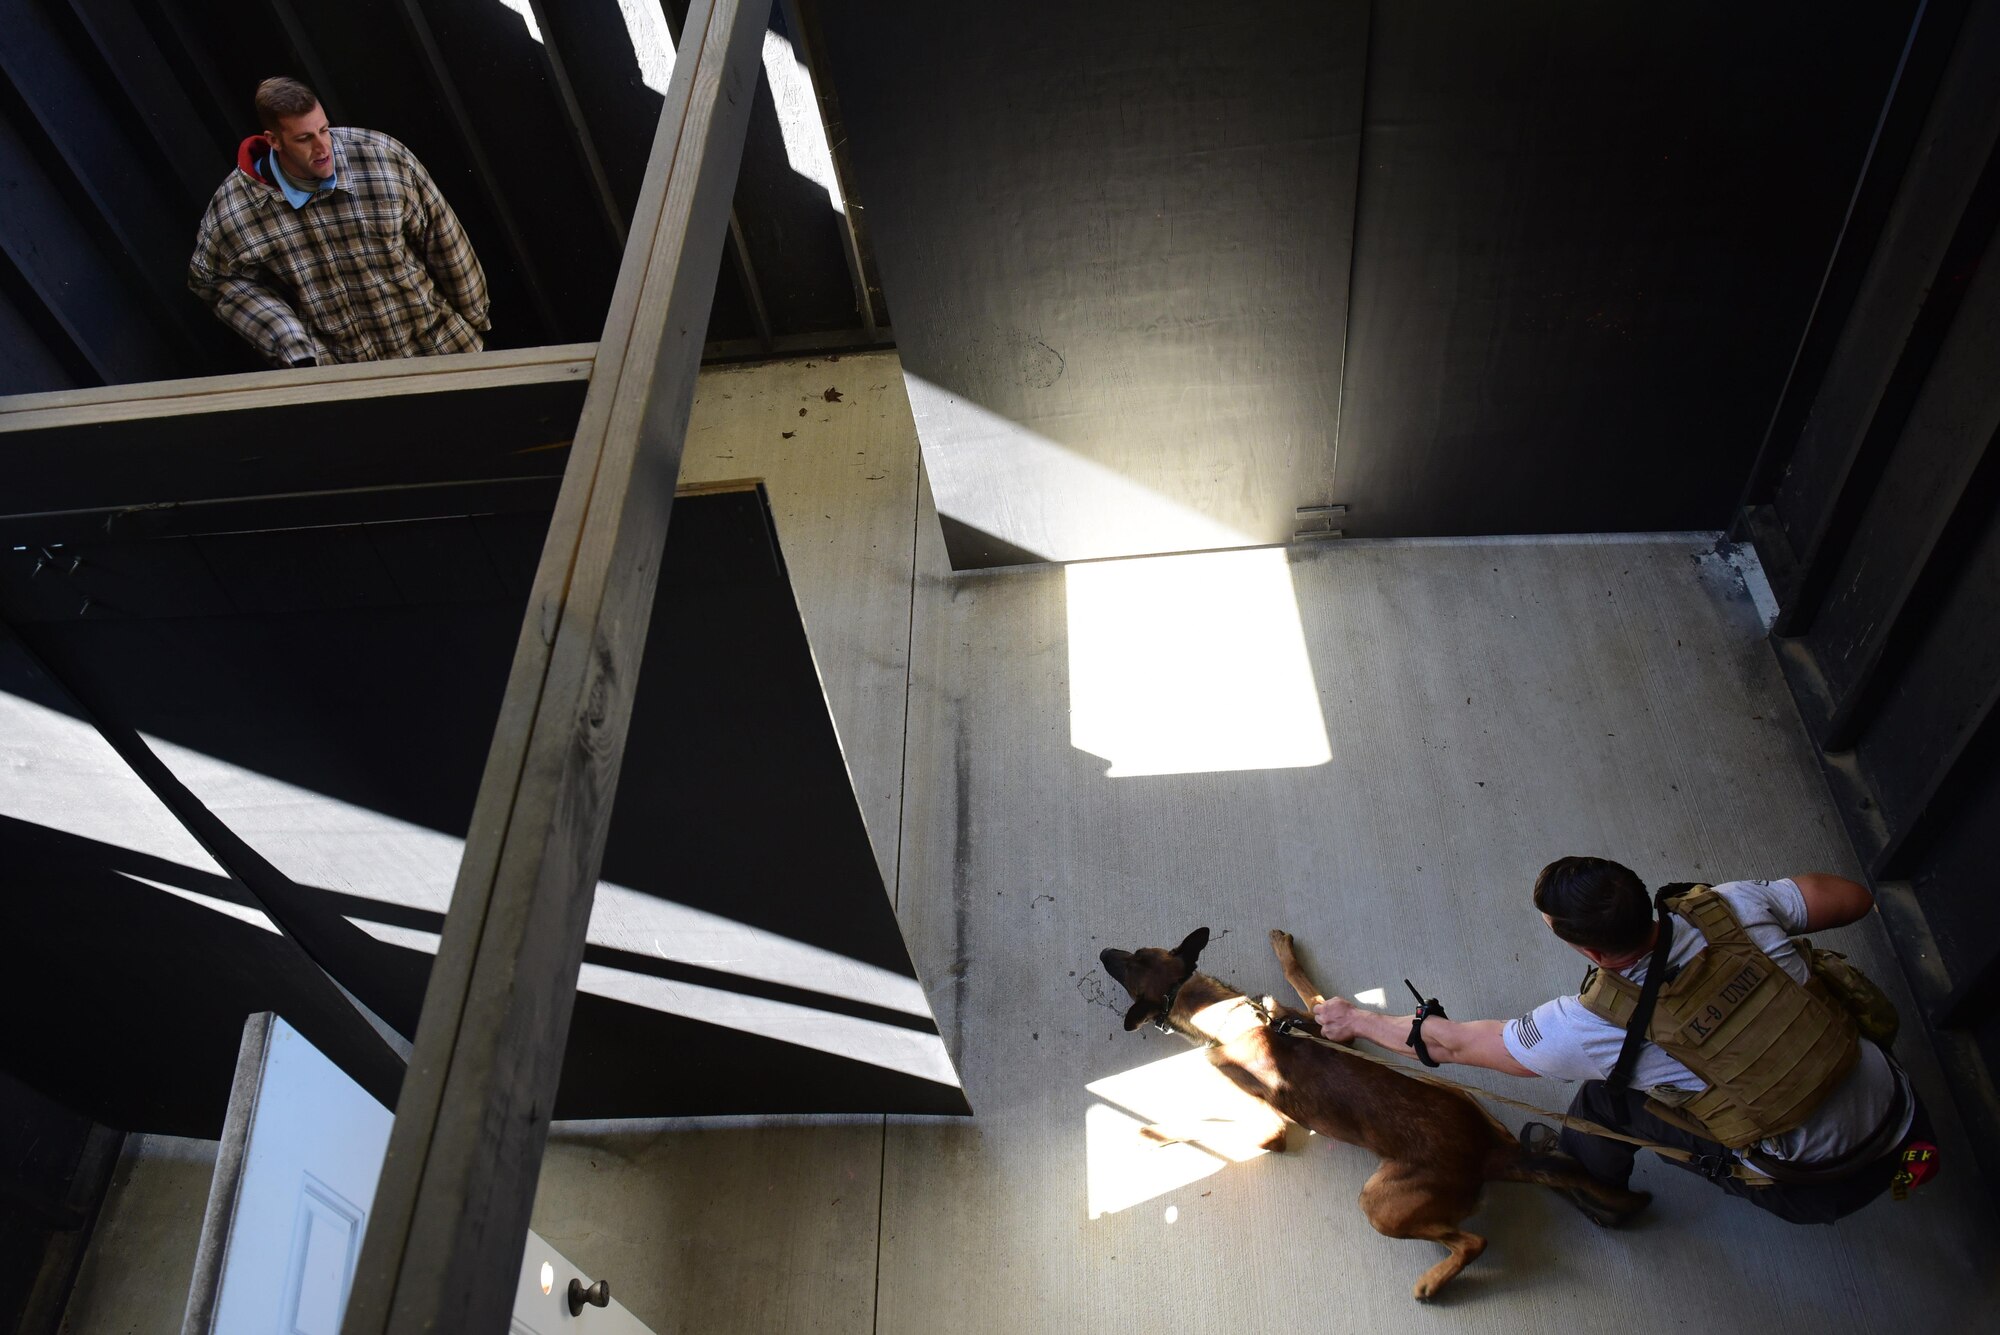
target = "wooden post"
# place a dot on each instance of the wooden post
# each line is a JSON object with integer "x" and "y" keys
{"x": 445, "y": 1236}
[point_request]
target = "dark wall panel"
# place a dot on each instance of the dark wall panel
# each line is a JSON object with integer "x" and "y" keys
{"x": 619, "y": 110}
{"x": 85, "y": 287}
{"x": 29, "y": 358}
{"x": 1967, "y": 926}
{"x": 1589, "y": 240}
{"x": 138, "y": 66}
{"x": 1931, "y": 479}
{"x": 1944, "y": 693}
{"x": 127, "y": 183}
{"x": 1876, "y": 508}
{"x": 1914, "y": 277}
{"x": 1116, "y": 239}
{"x": 502, "y": 78}
{"x": 1584, "y": 242}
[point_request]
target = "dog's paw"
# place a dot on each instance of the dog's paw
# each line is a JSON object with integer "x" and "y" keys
{"x": 1280, "y": 940}
{"x": 1423, "y": 1291}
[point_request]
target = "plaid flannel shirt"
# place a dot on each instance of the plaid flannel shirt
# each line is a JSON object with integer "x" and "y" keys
{"x": 374, "y": 268}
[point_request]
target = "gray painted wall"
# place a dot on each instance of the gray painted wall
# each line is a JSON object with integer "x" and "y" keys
{"x": 1583, "y": 241}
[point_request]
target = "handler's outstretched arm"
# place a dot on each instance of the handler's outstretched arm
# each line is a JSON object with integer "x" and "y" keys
{"x": 1831, "y": 901}
{"x": 1463, "y": 1042}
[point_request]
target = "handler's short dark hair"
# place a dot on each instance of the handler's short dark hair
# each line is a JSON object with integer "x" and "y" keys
{"x": 1595, "y": 903}
{"x": 280, "y": 97}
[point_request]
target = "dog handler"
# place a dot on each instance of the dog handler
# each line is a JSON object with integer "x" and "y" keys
{"x": 333, "y": 244}
{"x": 1787, "y": 1090}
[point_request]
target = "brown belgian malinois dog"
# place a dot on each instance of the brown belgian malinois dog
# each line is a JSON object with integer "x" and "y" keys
{"x": 1438, "y": 1147}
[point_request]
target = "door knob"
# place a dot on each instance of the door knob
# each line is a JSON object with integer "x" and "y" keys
{"x": 597, "y": 1295}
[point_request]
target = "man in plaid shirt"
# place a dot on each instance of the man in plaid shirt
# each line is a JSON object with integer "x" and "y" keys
{"x": 334, "y": 245}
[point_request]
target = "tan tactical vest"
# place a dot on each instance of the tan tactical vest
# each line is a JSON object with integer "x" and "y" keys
{"x": 1769, "y": 1047}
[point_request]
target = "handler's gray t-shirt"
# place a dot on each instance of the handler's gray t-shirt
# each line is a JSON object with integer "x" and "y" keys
{"x": 1560, "y": 1038}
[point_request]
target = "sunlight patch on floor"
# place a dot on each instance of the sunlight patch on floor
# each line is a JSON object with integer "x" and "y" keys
{"x": 1123, "y": 1168}
{"x": 1191, "y": 665}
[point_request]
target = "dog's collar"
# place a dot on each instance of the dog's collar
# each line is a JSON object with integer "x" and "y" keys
{"x": 1161, "y": 1021}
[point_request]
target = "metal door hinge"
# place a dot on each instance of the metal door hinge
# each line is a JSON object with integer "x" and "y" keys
{"x": 1317, "y": 521}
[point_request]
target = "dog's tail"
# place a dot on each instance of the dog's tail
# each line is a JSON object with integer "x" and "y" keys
{"x": 1553, "y": 1169}
{"x": 1605, "y": 1204}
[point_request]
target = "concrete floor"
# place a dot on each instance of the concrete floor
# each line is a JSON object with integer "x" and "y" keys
{"x": 1477, "y": 708}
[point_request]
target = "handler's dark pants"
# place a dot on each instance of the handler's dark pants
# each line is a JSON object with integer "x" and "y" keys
{"x": 1798, "y": 1203}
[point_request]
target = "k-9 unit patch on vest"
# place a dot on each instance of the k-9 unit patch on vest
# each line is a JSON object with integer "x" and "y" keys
{"x": 1768, "y": 1047}
{"x": 1712, "y": 1012}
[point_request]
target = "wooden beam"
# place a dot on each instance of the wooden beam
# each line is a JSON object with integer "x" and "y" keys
{"x": 253, "y": 390}
{"x": 467, "y": 417}
{"x": 394, "y": 504}
{"x": 450, "y": 1216}
{"x": 230, "y": 1155}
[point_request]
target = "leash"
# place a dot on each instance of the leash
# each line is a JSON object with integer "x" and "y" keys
{"x": 1426, "y": 1008}
{"x": 1709, "y": 1165}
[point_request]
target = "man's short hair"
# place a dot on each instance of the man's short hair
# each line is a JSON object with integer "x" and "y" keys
{"x": 1595, "y": 903}
{"x": 281, "y": 97}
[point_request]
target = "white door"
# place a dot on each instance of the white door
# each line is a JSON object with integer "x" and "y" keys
{"x": 294, "y": 1178}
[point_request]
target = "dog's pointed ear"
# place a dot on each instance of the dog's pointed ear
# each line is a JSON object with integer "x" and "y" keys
{"x": 1190, "y": 949}
{"x": 1140, "y": 1013}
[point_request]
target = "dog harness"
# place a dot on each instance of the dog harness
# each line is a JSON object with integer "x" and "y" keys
{"x": 1770, "y": 1048}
